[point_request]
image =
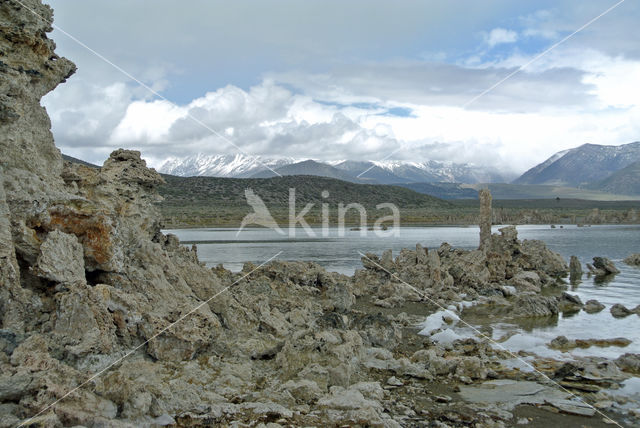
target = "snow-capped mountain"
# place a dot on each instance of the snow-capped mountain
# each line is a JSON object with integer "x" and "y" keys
{"x": 396, "y": 172}
{"x": 381, "y": 172}
{"x": 239, "y": 166}
{"x": 438, "y": 171}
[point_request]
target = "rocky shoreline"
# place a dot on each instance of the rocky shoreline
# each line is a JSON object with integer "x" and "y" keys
{"x": 105, "y": 321}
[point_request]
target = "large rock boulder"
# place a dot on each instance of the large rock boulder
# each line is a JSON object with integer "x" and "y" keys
{"x": 602, "y": 266}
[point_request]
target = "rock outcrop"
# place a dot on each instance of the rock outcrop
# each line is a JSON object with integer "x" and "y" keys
{"x": 439, "y": 277}
{"x": 602, "y": 266}
{"x": 633, "y": 260}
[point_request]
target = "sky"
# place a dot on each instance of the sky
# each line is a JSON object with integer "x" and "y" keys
{"x": 359, "y": 80}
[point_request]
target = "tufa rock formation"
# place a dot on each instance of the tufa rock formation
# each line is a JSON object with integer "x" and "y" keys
{"x": 485, "y": 218}
{"x": 575, "y": 270}
{"x": 633, "y": 259}
{"x": 602, "y": 267}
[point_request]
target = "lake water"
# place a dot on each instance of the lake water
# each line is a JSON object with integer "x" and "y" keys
{"x": 341, "y": 254}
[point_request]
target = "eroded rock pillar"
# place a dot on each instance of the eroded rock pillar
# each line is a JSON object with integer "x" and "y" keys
{"x": 485, "y": 219}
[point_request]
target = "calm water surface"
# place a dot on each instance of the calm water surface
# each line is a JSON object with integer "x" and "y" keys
{"x": 340, "y": 254}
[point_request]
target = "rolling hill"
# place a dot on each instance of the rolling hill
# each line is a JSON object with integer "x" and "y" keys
{"x": 540, "y": 191}
{"x": 80, "y": 161}
{"x": 443, "y": 190}
{"x": 626, "y": 181}
{"x": 217, "y": 191}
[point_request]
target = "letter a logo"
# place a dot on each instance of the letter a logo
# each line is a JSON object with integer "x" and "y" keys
{"x": 260, "y": 215}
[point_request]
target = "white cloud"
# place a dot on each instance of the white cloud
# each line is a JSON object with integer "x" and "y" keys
{"x": 499, "y": 36}
{"x": 539, "y": 24}
{"x": 269, "y": 119}
{"x": 146, "y": 122}
{"x": 616, "y": 82}
{"x": 315, "y": 103}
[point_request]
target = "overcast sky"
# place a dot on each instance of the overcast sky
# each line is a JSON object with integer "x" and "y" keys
{"x": 347, "y": 79}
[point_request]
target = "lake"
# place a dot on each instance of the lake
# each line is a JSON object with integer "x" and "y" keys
{"x": 340, "y": 254}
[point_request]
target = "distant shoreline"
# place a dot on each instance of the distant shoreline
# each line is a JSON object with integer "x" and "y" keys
{"x": 404, "y": 225}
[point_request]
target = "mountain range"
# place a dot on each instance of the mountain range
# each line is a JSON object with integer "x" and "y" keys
{"x": 233, "y": 166}
{"x": 589, "y": 165}
{"x": 579, "y": 172}
{"x": 372, "y": 172}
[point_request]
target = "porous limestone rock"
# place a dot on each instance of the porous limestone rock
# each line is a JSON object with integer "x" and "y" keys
{"x": 593, "y": 306}
{"x": 485, "y": 218}
{"x": 61, "y": 259}
{"x": 29, "y": 70}
{"x": 531, "y": 305}
{"x": 620, "y": 311}
{"x": 629, "y": 363}
{"x": 633, "y": 259}
{"x": 569, "y": 303}
{"x": 602, "y": 266}
{"x": 575, "y": 269}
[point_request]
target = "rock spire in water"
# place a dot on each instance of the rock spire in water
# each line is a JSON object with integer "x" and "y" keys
{"x": 485, "y": 219}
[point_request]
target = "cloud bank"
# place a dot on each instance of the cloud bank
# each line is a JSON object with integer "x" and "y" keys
{"x": 331, "y": 103}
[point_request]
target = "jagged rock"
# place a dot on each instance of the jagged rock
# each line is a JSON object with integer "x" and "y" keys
{"x": 633, "y": 259}
{"x": 620, "y": 311}
{"x": 485, "y": 219}
{"x": 387, "y": 260}
{"x": 422, "y": 255}
{"x": 394, "y": 381}
{"x": 526, "y": 281}
{"x": 303, "y": 390}
{"x": 30, "y": 69}
{"x": 471, "y": 367}
{"x": 603, "y": 266}
{"x": 561, "y": 342}
{"x": 350, "y": 407}
{"x": 348, "y": 399}
{"x": 370, "y": 261}
{"x": 12, "y": 388}
{"x": 536, "y": 256}
{"x": 593, "y": 306}
{"x": 61, "y": 259}
{"x": 376, "y": 331}
{"x": 534, "y": 306}
{"x": 575, "y": 269}
{"x": 629, "y": 363}
{"x": 468, "y": 268}
{"x": 569, "y": 303}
